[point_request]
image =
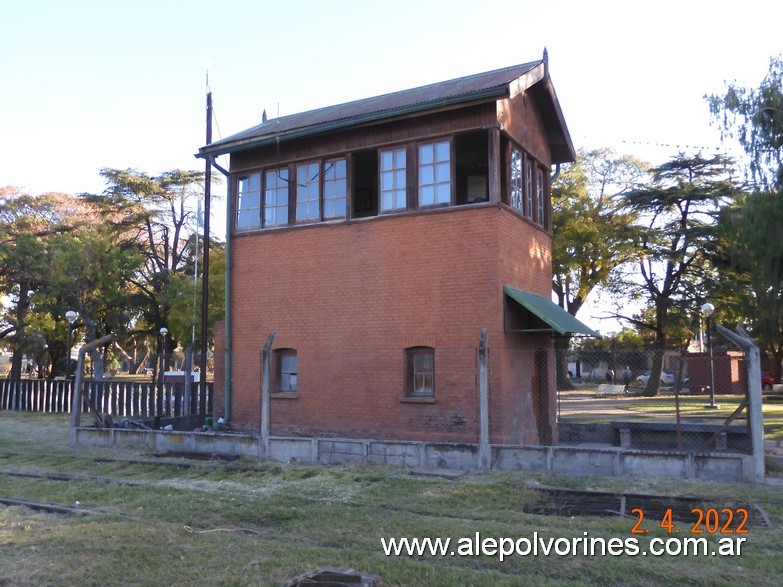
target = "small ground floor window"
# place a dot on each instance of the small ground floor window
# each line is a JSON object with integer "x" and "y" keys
{"x": 420, "y": 367}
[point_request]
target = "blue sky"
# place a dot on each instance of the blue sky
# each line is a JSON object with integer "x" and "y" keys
{"x": 92, "y": 84}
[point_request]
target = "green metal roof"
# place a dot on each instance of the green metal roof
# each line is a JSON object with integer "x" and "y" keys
{"x": 548, "y": 311}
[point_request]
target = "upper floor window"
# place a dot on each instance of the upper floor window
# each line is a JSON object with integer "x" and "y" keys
{"x": 528, "y": 189}
{"x": 516, "y": 192}
{"x": 308, "y": 183}
{"x": 249, "y": 202}
{"x": 420, "y": 367}
{"x": 335, "y": 188}
{"x": 276, "y": 197}
{"x": 392, "y": 172}
{"x": 540, "y": 199}
{"x": 435, "y": 174}
{"x": 286, "y": 370}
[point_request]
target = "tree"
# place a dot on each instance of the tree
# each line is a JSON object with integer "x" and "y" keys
{"x": 755, "y": 263}
{"x": 591, "y": 231}
{"x": 28, "y": 227}
{"x": 676, "y": 231}
{"x": 754, "y": 117}
{"x": 90, "y": 273}
{"x": 151, "y": 214}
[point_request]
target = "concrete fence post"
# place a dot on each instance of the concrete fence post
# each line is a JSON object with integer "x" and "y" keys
{"x": 485, "y": 455}
{"x": 76, "y": 402}
{"x": 755, "y": 415}
{"x": 265, "y": 393}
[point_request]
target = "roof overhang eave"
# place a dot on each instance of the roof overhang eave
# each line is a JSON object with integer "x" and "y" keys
{"x": 297, "y": 133}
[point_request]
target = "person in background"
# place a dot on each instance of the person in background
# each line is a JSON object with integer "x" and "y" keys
{"x": 627, "y": 376}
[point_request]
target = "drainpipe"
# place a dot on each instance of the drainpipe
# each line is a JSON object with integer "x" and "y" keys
{"x": 227, "y": 317}
{"x": 556, "y": 174}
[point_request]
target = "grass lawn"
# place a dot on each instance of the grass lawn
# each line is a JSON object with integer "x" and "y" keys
{"x": 250, "y": 523}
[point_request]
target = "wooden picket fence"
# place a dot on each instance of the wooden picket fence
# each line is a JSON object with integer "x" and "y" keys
{"x": 120, "y": 399}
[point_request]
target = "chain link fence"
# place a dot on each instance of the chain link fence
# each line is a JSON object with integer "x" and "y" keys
{"x": 662, "y": 400}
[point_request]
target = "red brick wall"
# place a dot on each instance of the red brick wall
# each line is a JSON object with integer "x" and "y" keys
{"x": 219, "y": 359}
{"x": 350, "y": 296}
{"x": 523, "y": 376}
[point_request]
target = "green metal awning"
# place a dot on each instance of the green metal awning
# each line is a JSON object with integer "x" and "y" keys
{"x": 555, "y": 317}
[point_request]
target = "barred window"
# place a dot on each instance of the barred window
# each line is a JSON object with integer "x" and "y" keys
{"x": 286, "y": 370}
{"x": 420, "y": 371}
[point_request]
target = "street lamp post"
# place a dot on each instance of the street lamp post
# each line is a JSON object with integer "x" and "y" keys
{"x": 707, "y": 309}
{"x": 163, "y": 332}
{"x": 71, "y": 316}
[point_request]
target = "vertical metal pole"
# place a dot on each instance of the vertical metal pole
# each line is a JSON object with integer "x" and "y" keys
{"x": 712, "y": 370}
{"x": 205, "y": 262}
{"x": 484, "y": 450}
{"x": 68, "y": 354}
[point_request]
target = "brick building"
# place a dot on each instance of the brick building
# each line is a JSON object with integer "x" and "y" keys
{"x": 376, "y": 239}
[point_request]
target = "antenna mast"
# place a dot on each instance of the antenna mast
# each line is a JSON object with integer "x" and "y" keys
{"x": 205, "y": 249}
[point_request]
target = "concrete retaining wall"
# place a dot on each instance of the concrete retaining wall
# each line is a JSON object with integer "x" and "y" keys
{"x": 565, "y": 460}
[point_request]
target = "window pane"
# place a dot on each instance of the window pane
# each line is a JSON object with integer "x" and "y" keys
{"x": 248, "y": 202}
{"x": 434, "y": 174}
{"x": 392, "y": 180}
{"x": 515, "y": 189}
{"x": 421, "y": 371}
{"x": 308, "y": 183}
{"x": 442, "y": 151}
{"x": 334, "y": 208}
{"x": 540, "y": 196}
{"x": 426, "y": 175}
{"x": 276, "y": 198}
{"x": 443, "y": 172}
{"x": 427, "y": 196}
{"x": 426, "y": 154}
{"x": 443, "y": 193}
{"x": 287, "y": 370}
{"x": 335, "y": 188}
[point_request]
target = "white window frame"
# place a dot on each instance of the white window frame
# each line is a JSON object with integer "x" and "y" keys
{"x": 248, "y": 212}
{"x": 435, "y": 174}
{"x": 392, "y": 180}
{"x": 279, "y": 180}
